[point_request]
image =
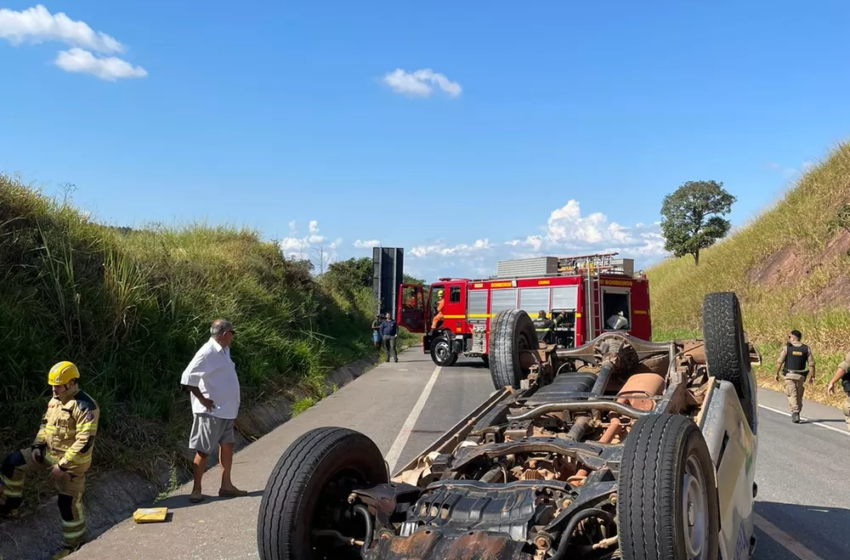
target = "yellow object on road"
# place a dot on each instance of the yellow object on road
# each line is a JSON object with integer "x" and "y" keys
{"x": 150, "y": 515}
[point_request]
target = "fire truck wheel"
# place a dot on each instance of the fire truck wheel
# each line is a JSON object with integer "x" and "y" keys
{"x": 486, "y": 359}
{"x": 511, "y": 333}
{"x": 726, "y": 350}
{"x": 441, "y": 352}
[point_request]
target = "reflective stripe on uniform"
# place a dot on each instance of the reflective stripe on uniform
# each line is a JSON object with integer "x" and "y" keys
{"x": 87, "y": 428}
{"x": 77, "y": 458}
{"x": 73, "y": 536}
{"x": 9, "y": 483}
{"x": 73, "y": 524}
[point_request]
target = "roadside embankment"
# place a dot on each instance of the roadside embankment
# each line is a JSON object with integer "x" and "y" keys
{"x": 111, "y": 497}
{"x": 788, "y": 266}
{"x": 130, "y": 306}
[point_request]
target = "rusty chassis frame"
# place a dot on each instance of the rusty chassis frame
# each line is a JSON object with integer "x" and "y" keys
{"x": 428, "y": 490}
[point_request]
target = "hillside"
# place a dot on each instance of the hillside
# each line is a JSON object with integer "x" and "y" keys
{"x": 789, "y": 265}
{"x": 130, "y": 307}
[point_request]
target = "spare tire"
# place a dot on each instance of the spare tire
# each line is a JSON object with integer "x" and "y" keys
{"x": 308, "y": 490}
{"x": 726, "y": 349}
{"x": 667, "y": 498}
{"x": 511, "y": 333}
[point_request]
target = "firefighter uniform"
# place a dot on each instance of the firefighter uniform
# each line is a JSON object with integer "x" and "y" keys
{"x": 796, "y": 360}
{"x": 543, "y": 326}
{"x": 439, "y": 315}
{"x": 66, "y": 440}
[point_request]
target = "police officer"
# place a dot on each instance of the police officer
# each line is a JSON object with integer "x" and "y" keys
{"x": 842, "y": 374}
{"x": 543, "y": 326}
{"x": 64, "y": 445}
{"x": 796, "y": 362}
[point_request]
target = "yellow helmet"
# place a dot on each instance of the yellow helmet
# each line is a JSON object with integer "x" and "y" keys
{"x": 62, "y": 373}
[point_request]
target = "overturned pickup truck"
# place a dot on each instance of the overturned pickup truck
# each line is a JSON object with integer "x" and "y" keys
{"x": 619, "y": 449}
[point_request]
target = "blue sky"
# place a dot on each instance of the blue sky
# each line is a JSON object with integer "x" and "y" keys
{"x": 539, "y": 126}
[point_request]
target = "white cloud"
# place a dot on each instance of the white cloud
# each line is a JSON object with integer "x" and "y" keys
{"x": 37, "y": 25}
{"x": 313, "y": 246}
{"x": 106, "y": 68}
{"x": 420, "y": 83}
{"x": 566, "y": 232}
{"x": 443, "y": 250}
{"x": 366, "y": 244}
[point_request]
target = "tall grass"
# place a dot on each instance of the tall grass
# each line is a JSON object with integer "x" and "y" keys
{"x": 131, "y": 308}
{"x": 798, "y": 224}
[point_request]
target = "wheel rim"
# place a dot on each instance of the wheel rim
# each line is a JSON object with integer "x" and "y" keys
{"x": 441, "y": 350}
{"x": 331, "y": 511}
{"x": 695, "y": 511}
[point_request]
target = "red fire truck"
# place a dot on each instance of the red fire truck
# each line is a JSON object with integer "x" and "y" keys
{"x": 587, "y": 294}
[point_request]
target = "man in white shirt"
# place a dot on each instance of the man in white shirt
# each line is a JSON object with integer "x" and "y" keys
{"x": 211, "y": 378}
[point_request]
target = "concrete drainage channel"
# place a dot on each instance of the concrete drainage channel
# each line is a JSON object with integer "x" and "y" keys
{"x": 113, "y": 496}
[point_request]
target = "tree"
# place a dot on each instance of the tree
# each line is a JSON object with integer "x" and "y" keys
{"x": 692, "y": 217}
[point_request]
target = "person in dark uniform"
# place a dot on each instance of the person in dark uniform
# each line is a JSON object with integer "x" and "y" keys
{"x": 795, "y": 362}
{"x": 543, "y": 325}
{"x": 842, "y": 374}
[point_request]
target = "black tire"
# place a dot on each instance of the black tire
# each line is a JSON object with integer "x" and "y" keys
{"x": 486, "y": 360}
{"x": 441, "y": 352}
{"x": 725, "y": 348}
{"x": 510, "y": 332}
{"x": 659, "y": 453}
{"x": 315, "y": 474}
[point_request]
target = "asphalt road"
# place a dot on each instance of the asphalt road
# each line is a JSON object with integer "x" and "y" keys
{"x": 803, "y": 502}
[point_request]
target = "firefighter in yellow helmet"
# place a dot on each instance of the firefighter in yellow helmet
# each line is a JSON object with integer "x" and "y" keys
{"x": 64, "y": 445}
{"x": 438, "y": 317}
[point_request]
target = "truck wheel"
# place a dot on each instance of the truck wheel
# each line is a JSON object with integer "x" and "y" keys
{"x": 441, "y": 352}
{"x": 511, "y": 333}
{"x": 486, "y": 359}
{"x": 726, "y": 350}
{"x": 667, "y": 505}
{"x": 307, "y": 493}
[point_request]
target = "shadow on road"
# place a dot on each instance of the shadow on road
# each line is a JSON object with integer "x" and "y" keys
{"x": 823, "y": 530}
{"x": 182, "y": 501}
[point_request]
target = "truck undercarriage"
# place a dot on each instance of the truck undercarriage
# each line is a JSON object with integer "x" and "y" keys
{"x": 609, "y": 450}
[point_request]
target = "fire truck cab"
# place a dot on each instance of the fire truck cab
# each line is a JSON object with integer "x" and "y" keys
{"x": 584, "y": 296}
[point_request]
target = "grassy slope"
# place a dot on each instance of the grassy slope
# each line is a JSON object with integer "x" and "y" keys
{"x": 812, "y": 299}
{"x": 131, "y": 307}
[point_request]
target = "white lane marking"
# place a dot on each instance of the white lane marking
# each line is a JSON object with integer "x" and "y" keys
{"x": 407, "y": 428}
{"x": 784, "y": 539}
{"x": 788, "y": 414}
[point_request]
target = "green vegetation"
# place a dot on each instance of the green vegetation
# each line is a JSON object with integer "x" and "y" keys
{"x": 692, "y": 217}
{"x": 789, "y": 266}
{"x": 301, "y": 405}
{"x": 131, "y": 307}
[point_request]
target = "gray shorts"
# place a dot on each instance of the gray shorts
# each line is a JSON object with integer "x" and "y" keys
{"x": 208, "y": 432}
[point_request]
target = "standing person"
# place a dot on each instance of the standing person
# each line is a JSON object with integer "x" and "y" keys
{"x": 438, "y": 316}
{"x": 212, "y": 380}
{"x": 389, "y": 332}
{"x": 543, "y": 325}
{"x": 64, "y": 445}
{"x": 842, "y": 374}
{"x": 796, "y": 362}
{"x": 376, "y": 328}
